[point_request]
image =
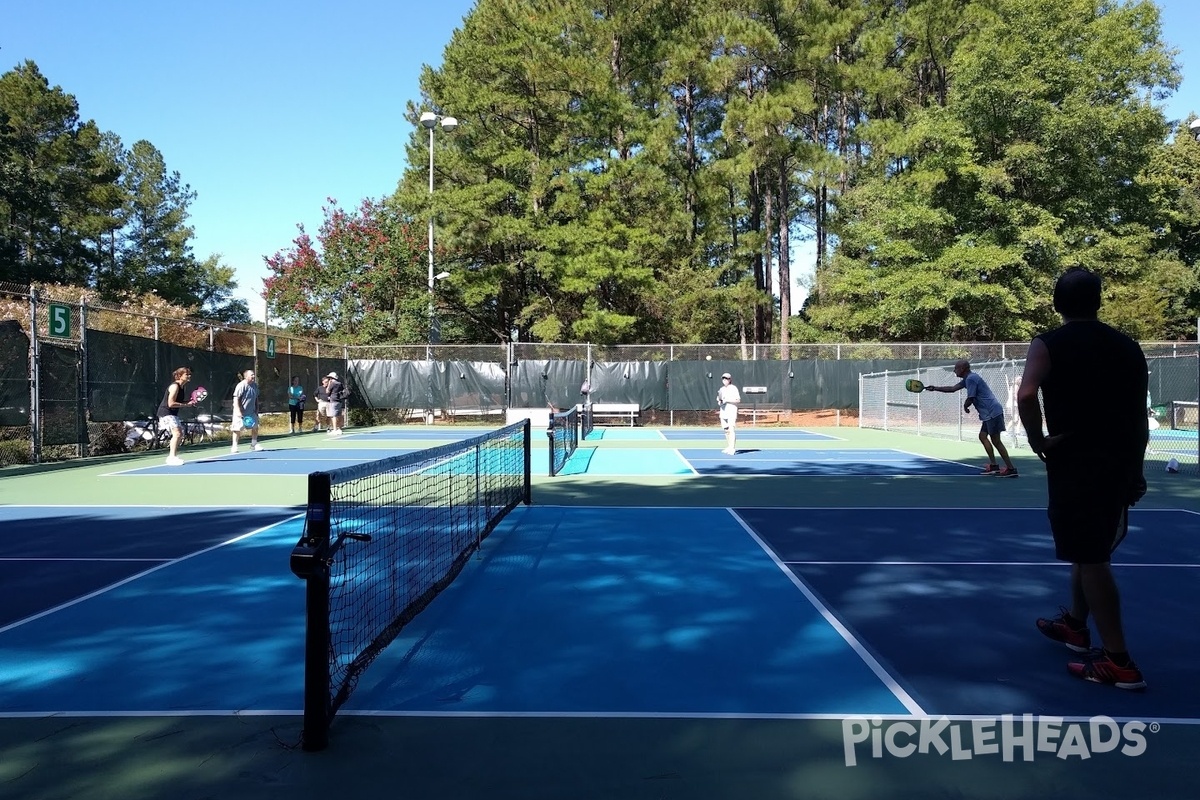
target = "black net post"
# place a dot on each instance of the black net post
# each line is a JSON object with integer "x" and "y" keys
{"x": 310, "y": 561}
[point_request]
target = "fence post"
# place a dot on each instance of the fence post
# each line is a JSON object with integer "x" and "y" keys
{"x": 860, "y": 400}
{"x": 885, "y": 400}
{"x": 84, "y": 405}
{"x": 35, "y": 358}
{"x": 157, "y": 372}
{"x": 670, "y": 402}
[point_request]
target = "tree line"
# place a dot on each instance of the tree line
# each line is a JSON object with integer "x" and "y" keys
{"x": 648, "y": 171}
{"x": 661, "y": 170}
{"x": 79, "y": 208}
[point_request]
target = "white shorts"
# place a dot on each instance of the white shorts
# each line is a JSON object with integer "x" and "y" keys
{"x": 728, "y": 416}
{"x": 170, "y": 423}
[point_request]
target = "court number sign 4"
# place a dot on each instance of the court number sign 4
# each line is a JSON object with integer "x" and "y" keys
{"x": 60, "y": 320}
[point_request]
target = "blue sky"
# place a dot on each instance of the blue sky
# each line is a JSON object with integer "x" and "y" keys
{"x": 268, "y": 107}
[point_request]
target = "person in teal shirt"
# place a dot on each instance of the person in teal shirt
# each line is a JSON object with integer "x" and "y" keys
{"x": 296, "y": 398}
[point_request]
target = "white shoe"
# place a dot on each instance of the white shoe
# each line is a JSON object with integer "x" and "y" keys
{"x": 174, "y": 461}
{"x": 335, "y": 433}
{"x": 233, "y": 451}
{"x": 258, "y": 448}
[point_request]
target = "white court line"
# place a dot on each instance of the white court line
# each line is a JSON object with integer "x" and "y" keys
{"x": 1040, "y": 509}
{"x": 160, "y": 506}
{"x": 1121, "y": 564}
{"x": 143, "y": 574}
{"x": 888, "y": 680}
{"x": 697, "y": 715}
{"x": 224, "y": 458}
{"x": 26, "y": 559}
{"x": 685, "y": 461}
{"x": 826, "y": 436}
{"x": 224, "y": 474}
{"x": 757, "y": 459}
{"x": 923, "y": 457}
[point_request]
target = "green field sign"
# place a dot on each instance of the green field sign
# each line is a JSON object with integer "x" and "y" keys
{"x": 60, "y": 320}
{"x": 270, "y": 347}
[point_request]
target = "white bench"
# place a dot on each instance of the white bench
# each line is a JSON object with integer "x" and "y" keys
{"x": 538, "y": 417}
{"x": 621, "y": 411}
{"x": 768, "y": 412}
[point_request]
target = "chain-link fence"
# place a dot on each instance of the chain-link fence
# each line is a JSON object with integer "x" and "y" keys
{"x": 1171, "y": 403}
{"x": 80, "y": 379}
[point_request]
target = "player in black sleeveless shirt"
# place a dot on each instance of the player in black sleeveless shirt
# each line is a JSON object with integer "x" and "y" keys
{"x": 168, "y": 411}
{"x": 1093, "y": 382}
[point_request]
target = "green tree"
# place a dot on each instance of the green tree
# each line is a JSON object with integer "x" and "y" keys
{"x": 969, "y": 212}
{"x": 156, "y": 253}
{"x": 53, "y": 196}
{"x": 76, "y": 208}
{"x": 215, "y": 293}
{"x": 364, "y": 280}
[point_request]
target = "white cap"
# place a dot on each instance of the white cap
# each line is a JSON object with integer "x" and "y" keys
{"x": 1173, "y": 465}
{"x": 727, "y": 375}
{"x": 332, "y": 375}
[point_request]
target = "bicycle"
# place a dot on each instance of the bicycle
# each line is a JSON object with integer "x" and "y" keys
{"x": 144, "y": 434}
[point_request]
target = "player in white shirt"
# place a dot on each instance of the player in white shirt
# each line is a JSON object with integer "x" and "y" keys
{"x": 728, "y": 398}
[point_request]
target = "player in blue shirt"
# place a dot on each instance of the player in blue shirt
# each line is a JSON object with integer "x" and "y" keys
{"x": 991, "y": 416}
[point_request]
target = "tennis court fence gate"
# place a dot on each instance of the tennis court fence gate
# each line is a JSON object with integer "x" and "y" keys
{"x": 1171, "y": 405}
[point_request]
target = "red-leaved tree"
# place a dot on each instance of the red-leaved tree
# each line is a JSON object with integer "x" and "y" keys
{"x": 364, "y": 280}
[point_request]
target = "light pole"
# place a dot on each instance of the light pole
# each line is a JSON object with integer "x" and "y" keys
{"x": 429, "y": 121}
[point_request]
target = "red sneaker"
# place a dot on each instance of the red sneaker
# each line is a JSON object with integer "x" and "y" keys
{"x": 1077, "y": 639}
{"x": 990, "y": 469}
{"x": 1099, "y": 668}
{"x": 1006, "y": 472}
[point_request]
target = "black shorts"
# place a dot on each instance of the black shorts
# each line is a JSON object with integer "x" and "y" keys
{"x": 1088, "y": 516}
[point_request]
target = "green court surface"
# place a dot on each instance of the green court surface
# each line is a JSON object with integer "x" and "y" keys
{"x": 184, "y": 750}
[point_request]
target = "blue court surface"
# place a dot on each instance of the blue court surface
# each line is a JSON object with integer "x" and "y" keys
{"x": 597, "y": 461}
{"x": 273, "y": 461}
{"x": 609, "y": 611}
{"x": 415, "y": 433}
{"x": 949, "y": 599}
{"x": 53, "y": 555}
{"x": 1174, "y": 442}
{"x": 749, "y": 435}
{"x": 825, "y": 462}
{"x": 625, "y": 434}
{"x": 749, "y": 461}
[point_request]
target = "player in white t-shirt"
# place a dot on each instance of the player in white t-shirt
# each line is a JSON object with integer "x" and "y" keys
{"x": 728, "y": 398}
{"x": 991, "y": 416}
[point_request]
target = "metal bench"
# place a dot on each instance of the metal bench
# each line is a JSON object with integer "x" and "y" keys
{"x": 767, "y": 412}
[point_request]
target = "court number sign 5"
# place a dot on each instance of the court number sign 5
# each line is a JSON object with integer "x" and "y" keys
{"x": 60, "y": 320}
